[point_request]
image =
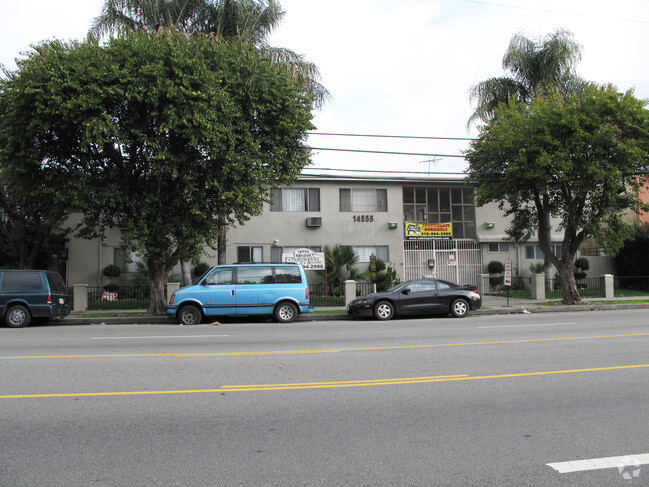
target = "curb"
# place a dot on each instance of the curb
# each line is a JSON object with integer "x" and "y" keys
{"x": 504, "y": 310}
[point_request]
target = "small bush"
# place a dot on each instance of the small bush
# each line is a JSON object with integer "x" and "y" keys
{"x": 537, "y": 268}
{"x": 201, "y": 268}
{"x": 495, "y": 267}
{"x": 111, "y": 271}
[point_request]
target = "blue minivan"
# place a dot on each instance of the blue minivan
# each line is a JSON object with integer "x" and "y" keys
{"x": 278, "y": 290}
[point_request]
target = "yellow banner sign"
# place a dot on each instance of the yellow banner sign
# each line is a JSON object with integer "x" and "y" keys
{"x": 428, "y": 230}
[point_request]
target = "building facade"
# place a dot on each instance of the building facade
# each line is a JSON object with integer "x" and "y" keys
{"x": 375, "y": 216}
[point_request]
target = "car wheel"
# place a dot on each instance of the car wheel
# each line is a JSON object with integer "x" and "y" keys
{"x": 189, "y": 315}
{"x": 383, "y": 310}
{"x": 459, "y": 308}
{"x": 285, "y": 312}
{"x": 18, "y": 316}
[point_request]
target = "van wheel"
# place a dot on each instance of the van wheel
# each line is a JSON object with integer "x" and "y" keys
{"x": 285, "y": 312}
{"x": 18, "y": 316}
{"x": 189, "y": 315}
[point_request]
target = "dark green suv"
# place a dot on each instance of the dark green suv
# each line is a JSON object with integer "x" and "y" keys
{"x": 28, "y": 294}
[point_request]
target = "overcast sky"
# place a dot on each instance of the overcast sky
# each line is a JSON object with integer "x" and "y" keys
{"x": 400, "y": 68}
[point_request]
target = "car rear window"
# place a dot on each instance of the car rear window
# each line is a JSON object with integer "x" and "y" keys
{"x": 21, "y": 281}
{"x": 57, "y": 284}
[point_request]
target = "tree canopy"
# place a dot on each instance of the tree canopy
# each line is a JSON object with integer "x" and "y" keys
{"x": 579, "y": 159}
{"x": 537, "y": 69}
{"x": 162, "y": 135}
{"x": 248, "y": 21}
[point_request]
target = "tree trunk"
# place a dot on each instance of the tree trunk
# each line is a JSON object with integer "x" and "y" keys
{"x": 186, "y": 270}
{"x": 157, "y": 301}
{"x": 569, "y": 291}
{"x": 223, "y": 241}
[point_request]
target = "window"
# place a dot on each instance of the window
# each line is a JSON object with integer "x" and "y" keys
{"x": 22, "y": 281}
{"x": 255, "y": 275}
{"x": 534, "y": 252}
{"x": 220, "y": 276}
{"x": 250, "y": 254}
{"x": 364, "y": 253}
{"x": 287, "y": 274}
{"x": 418, "y": 286}
{"x": 129, "y": 264}
{"x": 363, "y": 200}
{"x": 498, "y": 247}
{"x": 295, "y": 199}
{"x": 441, "y": 205}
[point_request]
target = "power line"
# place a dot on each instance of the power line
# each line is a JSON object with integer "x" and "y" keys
{"x": 392, "y": 136}
{"x": 378, "y": 171}
{"x": 418, "y": 154}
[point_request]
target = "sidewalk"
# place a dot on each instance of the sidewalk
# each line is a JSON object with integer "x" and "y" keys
{"x": 491, "y": 305}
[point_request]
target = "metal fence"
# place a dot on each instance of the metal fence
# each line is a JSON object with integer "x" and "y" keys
{"x": 631, "y": 286}
{"x": 322, "y": 296}
{"x": 520, "y": 288}
{"x": 122, "y": 297}
{"x": 589, "y": 287}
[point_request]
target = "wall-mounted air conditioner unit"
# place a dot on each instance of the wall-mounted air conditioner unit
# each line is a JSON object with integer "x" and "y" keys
{"x": 314, "y": 221}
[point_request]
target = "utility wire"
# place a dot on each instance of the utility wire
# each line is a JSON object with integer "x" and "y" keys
{"x": 419, "y": 154}
{"x": 392, "y": 136}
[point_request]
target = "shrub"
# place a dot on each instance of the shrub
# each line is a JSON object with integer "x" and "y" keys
{"x": 201, "y": 268}
{"x": 111, "y": 271}
{"x": 495, "y": 267}
{"x": 537, "y": 268}
{"x": 581, "y": 266}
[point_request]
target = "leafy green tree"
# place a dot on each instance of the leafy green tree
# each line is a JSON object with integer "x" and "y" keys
{"x": 30, "y": 233}
{"x": 249, "y": 21}
{"x": 579, "y": 160}
{"x": 169, "y": 137}
{"x": 537, "y": 69}
{"x": 631, "y": 259}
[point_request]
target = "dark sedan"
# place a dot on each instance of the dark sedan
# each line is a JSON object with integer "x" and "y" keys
{"x": 419, "y": 296}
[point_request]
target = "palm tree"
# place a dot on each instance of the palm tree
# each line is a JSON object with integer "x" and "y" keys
{"x": 340, "y": 262}
{"x": 250, "y": 21}
{"x": 537, "y": 69}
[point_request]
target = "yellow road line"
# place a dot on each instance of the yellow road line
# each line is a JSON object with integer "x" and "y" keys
{"x": 326, "y": 385}
{"x": 318, "y": 351}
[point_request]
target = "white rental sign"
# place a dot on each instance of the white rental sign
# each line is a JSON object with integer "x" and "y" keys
{"x": 310, "y": 260}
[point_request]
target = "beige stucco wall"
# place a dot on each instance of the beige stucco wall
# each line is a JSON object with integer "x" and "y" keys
{"x": 289, "y": 229}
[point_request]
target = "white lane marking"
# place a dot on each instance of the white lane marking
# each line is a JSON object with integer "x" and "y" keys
{"x": 601, "y": 463}
{"x": 537, "y": 324}
{"x": 156, "y": 336}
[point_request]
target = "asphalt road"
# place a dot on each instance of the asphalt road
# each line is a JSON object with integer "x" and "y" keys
{"x": 482, "y": 401}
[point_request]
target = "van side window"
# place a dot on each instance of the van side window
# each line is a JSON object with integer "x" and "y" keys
{"x": 23, "y": 281}
{"x": 255, "y": 275}
{"x": 220, "y": 277}
{"x": 287, "y": 274}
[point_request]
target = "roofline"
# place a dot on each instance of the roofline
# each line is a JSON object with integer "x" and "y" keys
{"x": 381, "y": 178}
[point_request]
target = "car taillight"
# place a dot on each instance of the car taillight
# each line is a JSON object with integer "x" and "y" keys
{"x": 49, "y": 299}
{"x": 307, "y": 293}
